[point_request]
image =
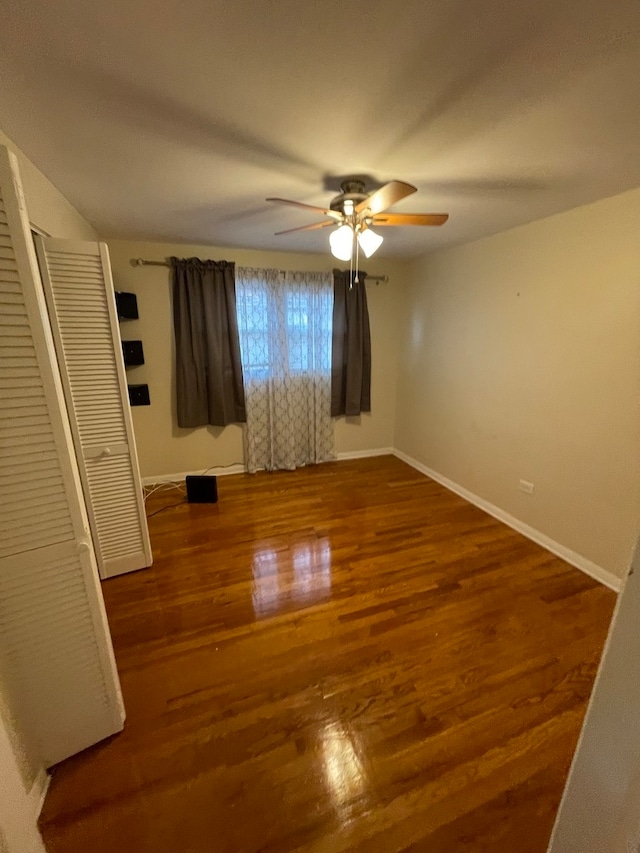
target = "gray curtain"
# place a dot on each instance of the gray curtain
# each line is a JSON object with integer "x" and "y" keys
{"x": 208, "y": 368}
{"x": 351, "y": 346}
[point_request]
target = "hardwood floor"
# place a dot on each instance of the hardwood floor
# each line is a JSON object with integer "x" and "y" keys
{"x": 343, "y": 658}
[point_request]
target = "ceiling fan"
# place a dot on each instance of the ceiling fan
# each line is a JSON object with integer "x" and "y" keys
{"x": 354, "y": 211}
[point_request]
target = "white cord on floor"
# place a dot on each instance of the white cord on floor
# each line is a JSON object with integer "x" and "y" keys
{"x": 163, "y": 487}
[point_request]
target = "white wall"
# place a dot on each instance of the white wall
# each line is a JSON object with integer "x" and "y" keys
{"x": 164, "y": 448}
{"x": 600, "y": 808}
{"x": 521, "y": 359}
{"x": 20, "y": 774}
{"x": 18, "y": 829}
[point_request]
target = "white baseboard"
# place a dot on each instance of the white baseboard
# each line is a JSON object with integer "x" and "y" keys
{"x": 587, "y": 566}
{"x": 39, "y": 791}
{"x": 363, "y": 454}
{"x": 155, "y": 479}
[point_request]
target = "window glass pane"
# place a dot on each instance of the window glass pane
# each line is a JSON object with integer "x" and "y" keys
{"x": 298, "y": 338}
{"x": 251, "y": 308}
{"x": 291, "y": 318}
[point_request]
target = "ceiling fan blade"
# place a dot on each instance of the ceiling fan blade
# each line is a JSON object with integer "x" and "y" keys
{"x": 410, "y": 219}
{"x": 311, "y": 227}
{"x": 387, "y": 195}
{"x": 334, "y": 214}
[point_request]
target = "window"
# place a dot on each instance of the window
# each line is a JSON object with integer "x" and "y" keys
{"x": 284, "y": 322}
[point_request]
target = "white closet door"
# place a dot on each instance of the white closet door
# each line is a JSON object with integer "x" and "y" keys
{"x": 55, "y": 648}
{"x": 79, "y": 291}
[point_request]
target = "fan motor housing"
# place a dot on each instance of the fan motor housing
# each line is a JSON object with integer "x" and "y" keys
{"x": 351, "y": 191}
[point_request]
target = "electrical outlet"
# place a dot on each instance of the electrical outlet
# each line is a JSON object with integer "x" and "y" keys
{"x": 526, "y": 487}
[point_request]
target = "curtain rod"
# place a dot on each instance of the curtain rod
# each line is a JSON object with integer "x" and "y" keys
{"x": 140, "y": 262}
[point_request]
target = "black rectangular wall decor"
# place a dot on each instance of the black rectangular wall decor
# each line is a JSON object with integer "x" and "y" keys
{"x": 133, "y": 353}
{"x": 127, "y": 305}
{"x": 139, "y": 395}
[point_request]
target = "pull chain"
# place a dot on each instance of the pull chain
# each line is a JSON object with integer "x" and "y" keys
{"x": 351, "y": 264}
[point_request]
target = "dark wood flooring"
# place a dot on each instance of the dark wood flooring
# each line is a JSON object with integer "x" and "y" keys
{"x": 343, "y": 658}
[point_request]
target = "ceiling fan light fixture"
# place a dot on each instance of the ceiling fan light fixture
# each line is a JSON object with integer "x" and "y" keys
{"x": 341, "y": 241}
{"x": 354, "y": 210}
{"x": 369, "y": 241}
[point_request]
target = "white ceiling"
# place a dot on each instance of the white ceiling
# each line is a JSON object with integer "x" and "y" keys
{"x": 174, "y": 119}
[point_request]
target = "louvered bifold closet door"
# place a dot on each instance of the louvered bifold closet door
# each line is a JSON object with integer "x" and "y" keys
{"x": 79, "y": 291}
{"x": 56, "y": 659}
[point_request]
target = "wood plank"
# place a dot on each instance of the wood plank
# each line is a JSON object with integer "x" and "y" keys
{"x": 344, "y": 657}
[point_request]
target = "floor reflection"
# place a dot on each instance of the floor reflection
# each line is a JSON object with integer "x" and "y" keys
{"x": 345, "y": 775}
{"x": 298, "y": 576}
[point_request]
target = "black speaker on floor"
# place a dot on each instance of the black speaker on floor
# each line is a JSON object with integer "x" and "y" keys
{"x": 202, "y": 489}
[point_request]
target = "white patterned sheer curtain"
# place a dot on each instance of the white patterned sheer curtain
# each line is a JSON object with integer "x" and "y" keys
{"x": 284, "y": 322}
